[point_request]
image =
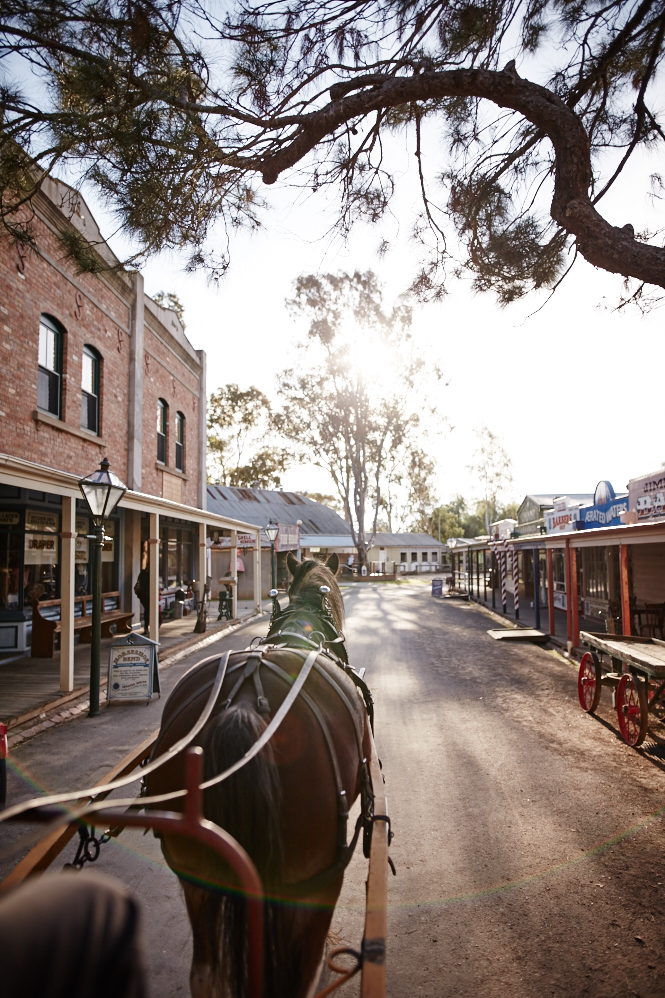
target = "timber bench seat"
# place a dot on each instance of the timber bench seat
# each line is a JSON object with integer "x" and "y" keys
{"x": 46, "y": 621}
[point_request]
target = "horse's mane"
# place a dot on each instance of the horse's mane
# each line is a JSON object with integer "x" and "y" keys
{"x": 305, "y": 589}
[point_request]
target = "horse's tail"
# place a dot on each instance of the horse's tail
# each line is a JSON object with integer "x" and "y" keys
{"x": 248, "y": 806}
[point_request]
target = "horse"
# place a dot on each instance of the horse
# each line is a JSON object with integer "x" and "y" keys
{"x": 288, "y": 806}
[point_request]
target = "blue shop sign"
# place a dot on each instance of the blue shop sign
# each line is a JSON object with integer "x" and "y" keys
{"x": 607, "y": 508}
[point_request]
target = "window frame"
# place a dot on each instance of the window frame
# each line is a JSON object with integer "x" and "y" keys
{"x": 163, "y": 422}
{"x": 180, "y": 424}
{"x": 95, "y": 356}
{"x": 58, "y": 330}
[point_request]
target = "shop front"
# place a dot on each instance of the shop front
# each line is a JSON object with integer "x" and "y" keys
{"x": 45, "y": 555}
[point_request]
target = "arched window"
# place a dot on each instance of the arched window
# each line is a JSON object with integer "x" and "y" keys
{"x": 49, "y": 378}
{"x": 90, "y": 390}
{"x": 162, "y": 416}
{"x": 180, "y": 441}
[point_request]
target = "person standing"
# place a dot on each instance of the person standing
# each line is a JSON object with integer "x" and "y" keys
{"x": 142, "y": 587}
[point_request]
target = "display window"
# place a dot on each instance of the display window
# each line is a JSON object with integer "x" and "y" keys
{"x": 41, "y": 551}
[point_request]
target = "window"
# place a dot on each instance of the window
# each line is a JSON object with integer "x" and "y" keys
{"x": 49, "y": 379}
{"x": 90, "y": 390}
{"x": 435, "y": 555}
{"x": 414, "y": 556}
{"x": 402, "y": 556}
{"x": 180, "y": 441}
{"x": 424, "y": 555}
{"x": 162, "y": 412}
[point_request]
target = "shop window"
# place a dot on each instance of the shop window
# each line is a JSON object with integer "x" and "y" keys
{"x": 10, "y": 564}
{"x": 90, "y": 390}
{"x": 41, "y": 579}
{"x": 49, "y": 378}
{"x": 162, "y": 418}
{"x": 594, "y": 573}
{"x": 559, "y": 571}
{"x": 179, "y": 441}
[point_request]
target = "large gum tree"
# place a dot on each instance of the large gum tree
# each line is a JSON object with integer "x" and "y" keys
{"x": 180, "y": 111}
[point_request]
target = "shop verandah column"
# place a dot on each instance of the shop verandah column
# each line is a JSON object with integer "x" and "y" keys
{"x": 234, "y": 574}
{"x": 67, "y": 571}
{"x": 550, "y": 593}
{"x": 625, "y": 589}
{"x": 154, "y": 576}
{"x": 257, "y": 572}
{"x": 536, "y": 589}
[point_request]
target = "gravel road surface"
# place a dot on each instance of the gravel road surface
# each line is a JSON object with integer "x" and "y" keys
{"x": 529, "y": 839}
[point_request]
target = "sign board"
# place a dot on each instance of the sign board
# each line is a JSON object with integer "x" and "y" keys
{"x": 437, "y": 587}
{"x": 37, "y": 520}
{"x": 563, "y": 517}
{"x": 40, "y": 549}
{"x": 560, "y": 601}
{"x": 646, "y": 496}
{"x": 288, "y": 537}
{"x": 606, "y": 509}
{"x": 8, "y": 519}
{"x": 133, "y": 669}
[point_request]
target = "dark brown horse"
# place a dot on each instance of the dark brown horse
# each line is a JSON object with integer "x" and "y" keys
{"x": 288, "y": 806}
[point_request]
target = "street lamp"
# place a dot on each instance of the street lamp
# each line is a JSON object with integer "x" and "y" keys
{"x": 102, "y": 492}
{"x": 271, "y": 532}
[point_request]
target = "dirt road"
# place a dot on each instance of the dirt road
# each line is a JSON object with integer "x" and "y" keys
{"x": 529, "y": 844}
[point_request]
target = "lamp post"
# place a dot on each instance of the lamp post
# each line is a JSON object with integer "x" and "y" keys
{"x": 271, "y": 532}
{"x": 102, "y": 492}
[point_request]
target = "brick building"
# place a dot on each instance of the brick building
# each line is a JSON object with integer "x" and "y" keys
{"x": 92, "y": 367}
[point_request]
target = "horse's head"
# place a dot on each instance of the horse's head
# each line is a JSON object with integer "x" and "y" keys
{"x": 308, "y": 577}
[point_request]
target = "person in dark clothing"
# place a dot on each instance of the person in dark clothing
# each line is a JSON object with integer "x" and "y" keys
{"x": 142, "y": 587}
{"x": 70, "y": 935}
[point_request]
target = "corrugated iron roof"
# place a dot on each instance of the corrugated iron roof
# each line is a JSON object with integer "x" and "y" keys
{"x": 258, "y": 506}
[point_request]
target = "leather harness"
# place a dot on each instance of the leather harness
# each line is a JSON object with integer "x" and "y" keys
{"x": 297, "y": 628}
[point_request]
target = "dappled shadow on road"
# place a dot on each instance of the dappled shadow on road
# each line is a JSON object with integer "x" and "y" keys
{"x": 524, "y": 846}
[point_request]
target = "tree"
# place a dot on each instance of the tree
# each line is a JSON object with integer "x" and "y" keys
{"x": 492, "y": 469}
{"x": 334, "y": 502}
{"x": 238, "y": 422}
{"x": 346, "y": 404}
{"x": 138, "y": 100}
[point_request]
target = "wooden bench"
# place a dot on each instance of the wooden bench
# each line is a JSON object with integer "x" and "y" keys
{"x": 45, "y": 625}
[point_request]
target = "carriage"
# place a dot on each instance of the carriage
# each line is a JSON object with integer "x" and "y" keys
{"x": 634, "y": 669}
{"x": 264, "y": 705}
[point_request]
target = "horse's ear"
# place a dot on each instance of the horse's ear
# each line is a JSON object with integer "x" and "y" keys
{"x": 292, "y": 562}
{"x": 333, "y": 563}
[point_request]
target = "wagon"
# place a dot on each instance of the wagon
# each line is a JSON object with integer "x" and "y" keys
{"x": 634, "y": 669}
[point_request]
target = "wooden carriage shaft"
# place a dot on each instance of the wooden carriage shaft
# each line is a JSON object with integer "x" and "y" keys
{"x": 373, "y": 984}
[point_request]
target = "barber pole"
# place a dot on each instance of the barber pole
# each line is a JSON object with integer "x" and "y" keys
{"x": 500, "y": 555}
{"x": 516, "y": 584}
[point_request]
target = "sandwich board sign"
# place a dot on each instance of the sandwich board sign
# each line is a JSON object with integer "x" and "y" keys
{"x": 133, "y": 669}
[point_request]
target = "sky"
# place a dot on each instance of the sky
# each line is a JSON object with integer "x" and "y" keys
{"x": 571, "y": 390}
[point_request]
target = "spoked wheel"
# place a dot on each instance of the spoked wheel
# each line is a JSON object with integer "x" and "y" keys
{"x": 632, "y": 709}
{"x": 589, "y": 682}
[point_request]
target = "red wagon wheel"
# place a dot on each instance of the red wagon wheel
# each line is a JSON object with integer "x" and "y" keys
{"x": 632, "y": 709}
{"x": 589, "y": 682}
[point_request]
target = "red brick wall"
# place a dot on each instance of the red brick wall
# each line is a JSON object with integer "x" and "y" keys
{"x": 166, "y": 376}
{"x": 99, "y": 316}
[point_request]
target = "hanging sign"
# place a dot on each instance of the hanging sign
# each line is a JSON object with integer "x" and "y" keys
{"x": 8, "y": 519}
{"x": 133, "y": 669}
{"x": 40, "y": 549}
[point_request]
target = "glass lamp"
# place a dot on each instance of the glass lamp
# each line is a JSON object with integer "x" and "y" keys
{"x": 102, "y": 490}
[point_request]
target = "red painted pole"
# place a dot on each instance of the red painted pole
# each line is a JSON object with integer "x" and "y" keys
{"x": 625, "y": 589}
{"x": 574, "y": 598}
{"x": 550, "y": 592}
{"x": 569, "y": 597}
